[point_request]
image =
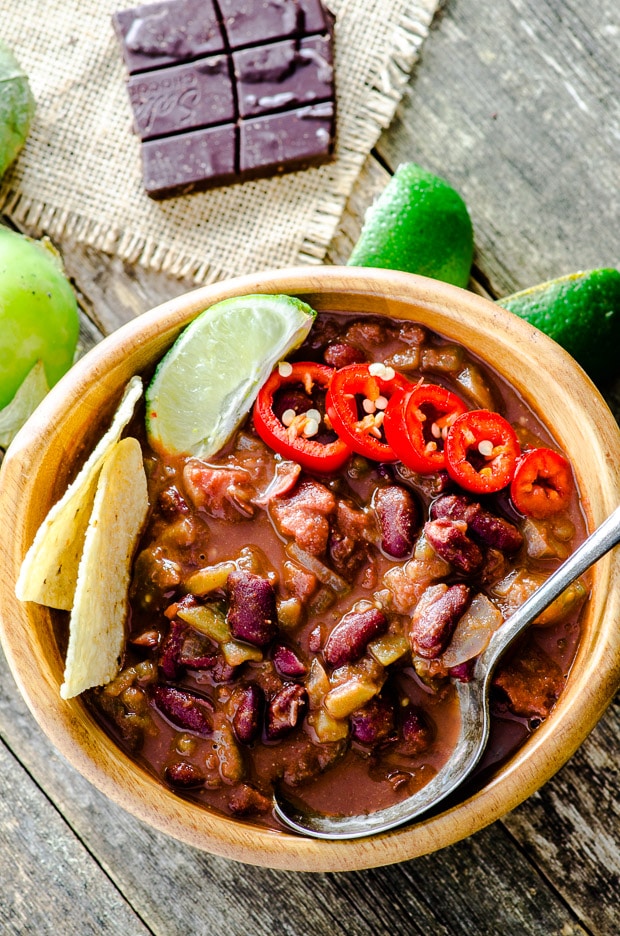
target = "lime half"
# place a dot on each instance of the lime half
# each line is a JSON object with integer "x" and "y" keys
{"x": 209, "y": 379}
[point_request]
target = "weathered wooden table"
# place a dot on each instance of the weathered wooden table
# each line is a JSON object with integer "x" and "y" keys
{"x": 518, "y": 105}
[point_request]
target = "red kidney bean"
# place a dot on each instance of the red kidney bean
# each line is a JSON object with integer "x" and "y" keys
{"x": 248, "y": 703}
{"x": 417, "y": 733}
{"x": 183, "y": 709}
{"x": 374, "y": 722}
{"x": 171, "y": 649}
{"x": 496, "y": 532}
{"x": 315, "y": 639}
{"x": 435, "y": 617}
{"x": 398, "y": 517}
{"x": 449, "y": 539}
{"x": 485, "y": 527}
{"x": 222, "y": 671}
{"x": 287, "y": 662}
{"x": 340, "y": 354}
{"x": 349, "y": 638}
{"x": 463, "y": 671}
{"x": 252, "y": 615}
{"x": 184, "y": 775}
{"x": 285, "y": 710}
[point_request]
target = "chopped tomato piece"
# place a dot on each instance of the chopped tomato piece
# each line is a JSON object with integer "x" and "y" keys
{"x": 481, "y": 451}
{"x": 417, "y": 422}
{"x": 542, "y": 484}
{"x": 356, "y": 402}
{"x": 299, "y": 432}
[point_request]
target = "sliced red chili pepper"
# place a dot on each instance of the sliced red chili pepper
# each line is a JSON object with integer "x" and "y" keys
{"x": 311, "y": 453}
{"x": 481, "y": 451}
{"x": 356, "y": 400}
{"x": 416, "y": 424}
{"x": 542, "y": 484}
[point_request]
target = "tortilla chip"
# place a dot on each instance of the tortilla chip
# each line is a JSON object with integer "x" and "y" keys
{"x": 101, "y": 605}
{"x": 49, "y": 571}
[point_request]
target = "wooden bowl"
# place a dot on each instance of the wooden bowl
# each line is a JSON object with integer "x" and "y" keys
{"x": 42, "y": 459}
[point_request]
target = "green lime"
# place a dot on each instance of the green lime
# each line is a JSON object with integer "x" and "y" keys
{"x": 16, "y": 107}
{"x": 209, "y": 379}
{"x": 581, "y": 312}
{"x": 418, "y": 224}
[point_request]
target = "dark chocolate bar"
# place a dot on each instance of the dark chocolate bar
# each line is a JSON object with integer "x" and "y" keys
{"x": 228, "y": 90}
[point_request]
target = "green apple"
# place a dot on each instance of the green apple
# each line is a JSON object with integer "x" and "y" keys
{"x": 38, "y": 313}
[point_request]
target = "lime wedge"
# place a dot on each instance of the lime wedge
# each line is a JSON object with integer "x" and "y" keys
{"x": 209, "y": 379}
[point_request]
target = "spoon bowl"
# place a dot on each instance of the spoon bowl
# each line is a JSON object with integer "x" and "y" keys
{"x": 473, "y": 699}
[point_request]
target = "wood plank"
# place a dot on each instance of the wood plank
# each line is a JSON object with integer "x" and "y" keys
{"x": 517, "y": 105}
{"x": 50, "y": 884}
{"x": 172, "y": 886}
{"x": 571, "y": 827}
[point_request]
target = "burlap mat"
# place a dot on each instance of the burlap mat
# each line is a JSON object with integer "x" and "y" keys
{"x": 79, "y": 175}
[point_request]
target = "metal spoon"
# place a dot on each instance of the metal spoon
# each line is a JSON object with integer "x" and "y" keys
{"x": 473, "y": 697}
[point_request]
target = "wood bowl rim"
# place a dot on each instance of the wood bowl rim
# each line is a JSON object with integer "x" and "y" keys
{"x": 451, "y": 311}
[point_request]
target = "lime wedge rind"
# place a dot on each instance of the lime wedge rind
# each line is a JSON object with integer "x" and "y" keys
{"x": 208, "y": 381}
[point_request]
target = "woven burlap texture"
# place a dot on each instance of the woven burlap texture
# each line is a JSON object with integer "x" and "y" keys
{"x": 79, "y": 175}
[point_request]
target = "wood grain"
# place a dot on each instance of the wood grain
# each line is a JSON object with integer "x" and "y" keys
{"x": 529, "y": 133}
{"x": 36, "y": 844}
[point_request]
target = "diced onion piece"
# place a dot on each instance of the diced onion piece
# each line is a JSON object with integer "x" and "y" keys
{"x": 389, "y": 648}
{"x": 322, "y": 572}
{"x": 475, "y": 387}
{"x": 207, "y": 620}
{"x": 328, "y": 728}
{"x": 237, "y": 653}
{"x": 317, "y": 684}
{"x": 208, "y": 579}
{"x": 473, "y": 631}
{"x": 348, "y": 697}
{"x": 289, "y": 613}
{"x": 540, "y": 541}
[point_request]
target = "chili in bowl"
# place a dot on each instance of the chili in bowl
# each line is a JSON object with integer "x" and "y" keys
{"x": 302, "y": 602}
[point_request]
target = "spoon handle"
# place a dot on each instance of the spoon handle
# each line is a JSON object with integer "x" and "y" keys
{"x": 604, "y": 538}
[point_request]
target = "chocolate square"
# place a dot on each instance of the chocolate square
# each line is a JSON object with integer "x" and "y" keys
{"x": 283, "y": 75}
{"x": 250, "y": 22}
{"x": 167, "y": 33}
{"x": 183, "y": 97}
{"x": 189, "y": 162}
{"x": 293, "y": 139}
